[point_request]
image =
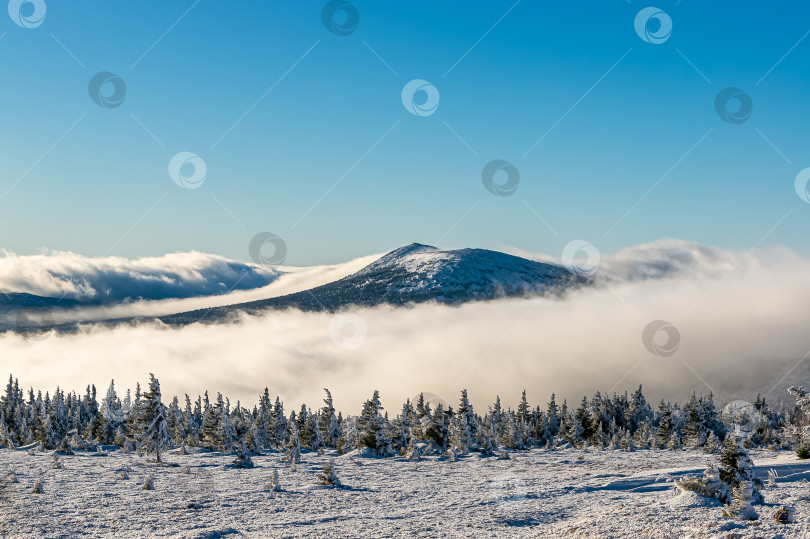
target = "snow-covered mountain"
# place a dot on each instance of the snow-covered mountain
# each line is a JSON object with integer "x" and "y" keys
{"x": 415, "y": 273}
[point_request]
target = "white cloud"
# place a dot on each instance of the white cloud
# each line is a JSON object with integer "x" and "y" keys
{"x": 114, "y": 279}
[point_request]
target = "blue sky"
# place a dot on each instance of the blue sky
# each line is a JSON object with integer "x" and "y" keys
{"x": 304, "y": 133}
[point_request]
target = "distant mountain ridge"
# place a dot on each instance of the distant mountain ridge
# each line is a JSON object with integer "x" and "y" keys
{"x": 13, "y": 301}
{"x": 414, "y": 273}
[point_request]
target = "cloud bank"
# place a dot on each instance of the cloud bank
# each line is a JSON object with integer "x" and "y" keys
{"x": 113, "y": 279}
{"x": 742, "y": 321}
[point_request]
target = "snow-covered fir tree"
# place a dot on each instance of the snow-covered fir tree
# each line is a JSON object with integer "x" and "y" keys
{"x": 154, "y": 437}
{"x": 373, "y": 427}
{"x": 294, "y": 444}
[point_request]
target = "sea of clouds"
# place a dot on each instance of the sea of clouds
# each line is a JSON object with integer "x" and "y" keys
{"x": 111, "y": 280}
{"x": 741, "y": 320}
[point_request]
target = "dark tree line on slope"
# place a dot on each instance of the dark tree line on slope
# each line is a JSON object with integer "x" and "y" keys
{"x": 144, "y": 422}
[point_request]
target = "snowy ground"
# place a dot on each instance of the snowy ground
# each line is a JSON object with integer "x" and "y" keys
{"x": 538, "y": 493}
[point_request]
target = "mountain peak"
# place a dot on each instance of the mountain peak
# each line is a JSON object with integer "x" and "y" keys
{"x": 411, "y": 249}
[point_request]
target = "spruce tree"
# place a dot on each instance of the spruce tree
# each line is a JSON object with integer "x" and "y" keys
{"x": 294, "y": 445}
{"x": 329, "y": 427}
{"x": 438, "y": 431}
{"x": 350, "y": 440}
{"x": 154, "y": 435}
{"x": 373, "y": 428}
{"x": 211, "y": 429}
{"x": 665, "y": 425}
{"x": 413, "y": 452}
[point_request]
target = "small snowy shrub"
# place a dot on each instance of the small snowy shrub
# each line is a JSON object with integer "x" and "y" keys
{"x": 274, "y": 484}
{"x": 740, "y": 506}
{"x": 242, "y": 459}
{"x": 709, "y": 485}
{"x": 38, "y": 489}
{"x": 413, "y": 452}
{"x": 732, "y": 482}
{"x": 148, "y": 483}
{"x": 771, "y": 482}
{"x": 64, "y": 447}
{"x": 56, "y": 462}
{"x": 328, "y": 476}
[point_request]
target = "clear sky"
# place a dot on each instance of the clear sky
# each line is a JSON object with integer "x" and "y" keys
{"x": 304, "y": 132}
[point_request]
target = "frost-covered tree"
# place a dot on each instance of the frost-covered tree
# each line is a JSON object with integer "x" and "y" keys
{"x": 460, "y": 437}
{"x": 743, "y": 496}
{"x": 294, "y": 445}
{"x": 192, "y": 419}
{"x": 328, "y": 476}
{"x": 351, "y": 436}
{"x": 242, "y": 459}
{"x": 5, "y": 435}
{"x": 802, "y": 431}
{"x": 315, "y": 440}
{"x": 278, "y": 424}
{"x": 154, "y": 437}
{"x": 469, "y": 422}
{"x": 402, "y": 427}
{"x": 552, "y": 425}
{"x": 227, "y": 435}
{"x": 113, "y": 412}
{"x": 58, "y": 421}
{"x": 737, "y": 467}
{"x": 666, "y": 425}
{"x": 274, "y": 484}
{"x": 438, "y": 431}
{"x": 413, "y": 452}
{"x": 133, "y": 418}
{"x": 373, "y": 427}
{"x": 329, "y": 426}
{"x": 509, "y": 435}
{"x": 211, "y": 428}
